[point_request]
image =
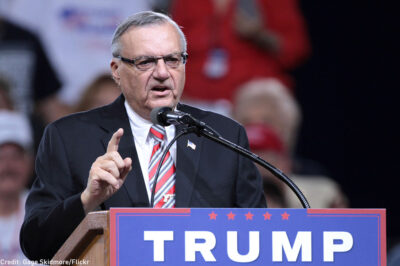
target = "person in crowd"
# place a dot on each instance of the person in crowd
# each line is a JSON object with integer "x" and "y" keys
{"x": 107, "y": 157}
{"x": 267, "y": 144}
{"x": 101, "y": 91}
{"x": 16, "y": 161}
{"x": 320, "y": 191}
{"x": 272, "y": 117}
{"x": 33, "y": 83}
{"x": 74, "y": 31}
{"x": 237, "y": 41}
{"x": 266, "y": 100}
{"x": 6, "y": 103}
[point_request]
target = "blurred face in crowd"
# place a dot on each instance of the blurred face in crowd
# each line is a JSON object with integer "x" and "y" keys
{"x": 15, "y": 169}
{"x": 260, "y": 110}
{"x": 105, "y": 94}
{"x": 155, "y": 87}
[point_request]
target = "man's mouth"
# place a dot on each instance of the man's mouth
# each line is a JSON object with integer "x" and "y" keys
{"x": 159, "y": 88}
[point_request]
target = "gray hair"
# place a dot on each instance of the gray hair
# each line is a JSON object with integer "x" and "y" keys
{"x": 139, "y": 20}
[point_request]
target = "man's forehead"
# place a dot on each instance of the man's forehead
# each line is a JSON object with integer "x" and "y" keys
{"x": 160, "y": 39}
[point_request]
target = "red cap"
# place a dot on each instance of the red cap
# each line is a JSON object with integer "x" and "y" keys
{"x": 263, "y": 137}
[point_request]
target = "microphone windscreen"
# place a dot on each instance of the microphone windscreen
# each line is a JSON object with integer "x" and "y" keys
{"x": 156, "y": 115}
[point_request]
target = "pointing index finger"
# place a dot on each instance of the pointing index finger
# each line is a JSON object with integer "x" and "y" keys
{"x": 114, "y": 141}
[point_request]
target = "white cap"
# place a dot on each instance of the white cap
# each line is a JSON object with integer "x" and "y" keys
{"x": 15, "y": 128}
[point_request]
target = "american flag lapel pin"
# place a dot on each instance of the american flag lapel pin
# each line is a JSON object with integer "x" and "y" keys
{"x": 191, "y": 145}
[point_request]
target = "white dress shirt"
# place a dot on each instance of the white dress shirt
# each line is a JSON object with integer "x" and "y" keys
{"x": 144, "y": 142}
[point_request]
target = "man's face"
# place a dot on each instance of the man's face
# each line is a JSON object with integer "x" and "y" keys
{"x": 161, "y": 86}
{"x": 15, "y": 167}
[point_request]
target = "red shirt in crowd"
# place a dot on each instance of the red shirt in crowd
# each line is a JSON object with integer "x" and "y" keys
{"x": 244, "y": 59}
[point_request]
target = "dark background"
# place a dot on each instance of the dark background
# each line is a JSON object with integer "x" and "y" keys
{"x": 347, "y": 91}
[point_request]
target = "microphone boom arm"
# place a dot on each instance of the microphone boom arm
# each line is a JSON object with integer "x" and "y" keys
{"x": 211, "y": 134}
{"x": 255, "y": 158}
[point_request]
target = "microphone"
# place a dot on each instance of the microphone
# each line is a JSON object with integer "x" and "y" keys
{"x": 165, "y": 116}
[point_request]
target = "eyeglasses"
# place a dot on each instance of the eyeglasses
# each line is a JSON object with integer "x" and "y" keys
{"x": 149, "y": 62}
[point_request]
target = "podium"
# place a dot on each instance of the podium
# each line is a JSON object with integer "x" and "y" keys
{"x": 89, "y": 243}
{"x": 224, "y": 236}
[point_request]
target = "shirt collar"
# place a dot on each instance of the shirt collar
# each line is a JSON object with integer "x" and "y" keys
{"x": 141, "y": 127}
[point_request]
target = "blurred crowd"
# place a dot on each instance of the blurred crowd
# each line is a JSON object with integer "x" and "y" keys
{"x": 54, "y": 60}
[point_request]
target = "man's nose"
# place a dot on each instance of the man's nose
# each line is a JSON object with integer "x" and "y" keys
{"x": 161, "y": 70}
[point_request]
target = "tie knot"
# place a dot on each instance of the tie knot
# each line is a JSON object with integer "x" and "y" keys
{"x": 158, "y": 132}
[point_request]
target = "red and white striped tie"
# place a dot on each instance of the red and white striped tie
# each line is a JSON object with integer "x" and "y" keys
{"x": 165, "y": 189}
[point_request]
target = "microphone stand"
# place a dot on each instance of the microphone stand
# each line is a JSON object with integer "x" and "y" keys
{"x": 211, "y": 134}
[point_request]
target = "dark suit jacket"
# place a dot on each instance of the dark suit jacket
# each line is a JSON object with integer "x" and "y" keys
{"x": 208, "y": 176}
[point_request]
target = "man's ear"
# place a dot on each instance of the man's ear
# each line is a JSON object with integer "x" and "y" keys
{"x": 115, "y": 70}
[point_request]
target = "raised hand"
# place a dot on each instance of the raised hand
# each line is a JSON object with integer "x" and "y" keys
{"x": 106, "y": 175}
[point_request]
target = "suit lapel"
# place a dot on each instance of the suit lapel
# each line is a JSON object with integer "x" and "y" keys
{"x": 116, "y": 117}
{"x": 189, "y": 147}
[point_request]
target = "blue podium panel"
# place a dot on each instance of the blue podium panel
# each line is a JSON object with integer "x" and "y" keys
{"x": 248, "y": 236}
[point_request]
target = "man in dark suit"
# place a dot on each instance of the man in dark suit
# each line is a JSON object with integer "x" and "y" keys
{"x": 100, "y": 158}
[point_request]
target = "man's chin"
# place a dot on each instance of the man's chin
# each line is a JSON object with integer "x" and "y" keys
{"x": 164, "y": 103}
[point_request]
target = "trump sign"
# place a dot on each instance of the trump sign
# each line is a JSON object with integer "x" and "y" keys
{"x": 248, "y": 236}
